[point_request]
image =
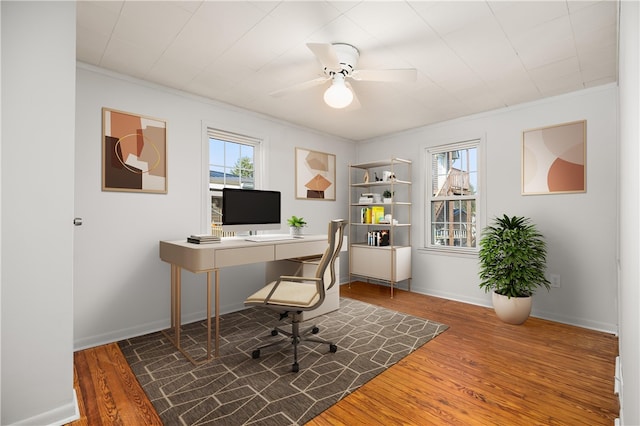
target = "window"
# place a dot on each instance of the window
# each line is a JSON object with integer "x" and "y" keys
{"x": 233, "y": 159}
{"x": 452, "y": 196}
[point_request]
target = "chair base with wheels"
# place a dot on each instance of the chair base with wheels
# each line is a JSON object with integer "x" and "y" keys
{"x": 290, "y": 296}
{"x": 295, "y": 337}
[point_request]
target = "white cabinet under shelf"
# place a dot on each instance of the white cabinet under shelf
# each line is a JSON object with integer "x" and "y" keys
{"x": 380, "y": 250}
{"x": 384, "y": 263}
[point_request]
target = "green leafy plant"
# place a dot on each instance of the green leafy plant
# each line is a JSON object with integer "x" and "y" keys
{"x": 387, "y": 194}
{"x": 512, "y": 257}
{"x": 296, "y": 222}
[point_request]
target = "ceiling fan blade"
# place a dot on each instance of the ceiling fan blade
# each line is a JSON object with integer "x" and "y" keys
{"x": 407, "y": 75}
{"x": 326, "y": 54}
{"x": 300, "y": 86}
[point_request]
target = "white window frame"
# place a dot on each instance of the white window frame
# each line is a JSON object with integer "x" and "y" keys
{"x": 428, "y": 245}
{"x": 242, "y": 137}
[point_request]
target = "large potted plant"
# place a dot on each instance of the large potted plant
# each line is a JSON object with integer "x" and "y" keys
{"x": 513, "y": 258}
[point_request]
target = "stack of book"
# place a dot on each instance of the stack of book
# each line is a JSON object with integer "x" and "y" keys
{"x": 378, "y": 238}
{"x": 203, "y": 239}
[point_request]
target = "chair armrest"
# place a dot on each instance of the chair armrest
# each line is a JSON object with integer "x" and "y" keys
{"x": 297, "y": 278}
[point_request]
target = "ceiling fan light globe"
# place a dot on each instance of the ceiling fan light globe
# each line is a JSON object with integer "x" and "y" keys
{"x": 338, "y": 95}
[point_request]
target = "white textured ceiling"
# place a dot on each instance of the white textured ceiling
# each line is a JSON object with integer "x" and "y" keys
{"x": 470, "y": 56}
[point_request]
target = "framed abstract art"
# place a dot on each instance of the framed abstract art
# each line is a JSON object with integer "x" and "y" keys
{"x": 554, "y": 159}
{"x": 134, "y": 152}
{"x": 315, "y": 175}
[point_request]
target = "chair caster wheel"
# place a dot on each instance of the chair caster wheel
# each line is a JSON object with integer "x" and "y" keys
{"x": 333, "y": 348}
{"x": 274, "y": 332}
{"x": 255, "y": 354}
{"x": 295, "y": 367}
{"x": 315, "y": 330}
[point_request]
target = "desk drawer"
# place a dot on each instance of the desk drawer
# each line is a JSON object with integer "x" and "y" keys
{"x": 297, "y": 249}
{"x": 244, "y": 255}
{"x": 193, "y": 257}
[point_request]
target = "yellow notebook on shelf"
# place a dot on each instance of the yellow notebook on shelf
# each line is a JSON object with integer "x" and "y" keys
{"x": 377, "y": 213}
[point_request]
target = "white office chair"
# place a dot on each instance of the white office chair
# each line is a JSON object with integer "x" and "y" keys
{"x": 294, "y": 295}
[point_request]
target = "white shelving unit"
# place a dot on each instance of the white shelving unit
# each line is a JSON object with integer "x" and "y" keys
{"x": 387, "y": 263}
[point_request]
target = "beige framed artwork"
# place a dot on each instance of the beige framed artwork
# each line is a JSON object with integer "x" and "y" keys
{"x": 554, "y": 159}
{"x": 315, "y": 175}
{"x": 134, "y": 152}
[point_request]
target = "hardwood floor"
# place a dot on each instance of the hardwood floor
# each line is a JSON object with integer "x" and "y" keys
{"x": 108, "y": 392}
{"x": 478, "y": 372}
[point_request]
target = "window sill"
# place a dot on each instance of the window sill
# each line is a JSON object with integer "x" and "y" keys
{"x": 450, "y": 251}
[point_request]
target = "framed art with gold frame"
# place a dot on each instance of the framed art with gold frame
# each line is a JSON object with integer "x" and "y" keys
{"x": 134, "y": 152}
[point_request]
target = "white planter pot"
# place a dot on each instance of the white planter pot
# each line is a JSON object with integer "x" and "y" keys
{"x": 514, "y": 310}
{"x": 295, "y": 231}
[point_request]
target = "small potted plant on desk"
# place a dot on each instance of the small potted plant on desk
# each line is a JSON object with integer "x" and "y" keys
{"x": 295, "y": 225}
{"x": 387, "y": 196}
{"x": 512, "y": 265}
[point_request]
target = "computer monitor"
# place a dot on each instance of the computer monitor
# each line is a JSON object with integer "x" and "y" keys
{"x": 250, "y": 210}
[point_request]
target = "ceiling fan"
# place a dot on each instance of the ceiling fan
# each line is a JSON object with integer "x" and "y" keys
{"x": 339, "y": 62}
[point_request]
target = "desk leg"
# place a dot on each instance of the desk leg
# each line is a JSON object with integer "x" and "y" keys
{"x": 217, "y": 315}
{"x": 173, "y": 295}
{"x": 177, "y": 306}
{"x": 217, "y": 284}
{"x": 176, "y": 315}
{"x": 209, "y": 317}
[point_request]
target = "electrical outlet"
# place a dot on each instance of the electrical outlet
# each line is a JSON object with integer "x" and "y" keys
{"x": 554, "y": 279}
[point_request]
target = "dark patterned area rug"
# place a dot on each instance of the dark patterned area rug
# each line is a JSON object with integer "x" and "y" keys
{"x": 235, "y": 389}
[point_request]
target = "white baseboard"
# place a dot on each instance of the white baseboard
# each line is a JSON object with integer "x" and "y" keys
{"x": 57, "y": 417}
{"x": 551, "y": 316}
{"x": 617, "y": 378}
{"x": 74, "y": 416}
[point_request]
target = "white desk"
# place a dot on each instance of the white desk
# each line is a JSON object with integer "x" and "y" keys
{"x": 208, "y": 258}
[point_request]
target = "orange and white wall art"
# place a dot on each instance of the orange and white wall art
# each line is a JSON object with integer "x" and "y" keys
{"x": 554, "y": 159}
{"x": 315, "y": 175}
{"x": 134, "y": 152}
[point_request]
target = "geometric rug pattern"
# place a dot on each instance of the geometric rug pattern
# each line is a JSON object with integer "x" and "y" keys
{"x": 235, "y": 389}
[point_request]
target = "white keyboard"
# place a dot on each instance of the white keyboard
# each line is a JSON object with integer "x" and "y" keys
{"x": 269, "y": 237}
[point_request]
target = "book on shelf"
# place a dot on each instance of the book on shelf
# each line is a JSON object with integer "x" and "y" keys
{"x": 203, "y": 239}
{"x": 372, "y": 215}
{"x": 365, "y": 215}
{"x": 378, "y": 238}
{"x": 377, "y": 213}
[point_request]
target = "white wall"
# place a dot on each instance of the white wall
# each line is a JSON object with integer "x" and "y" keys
{"x": 0, "y": 211}
{"x": 580, "y": 229}
{"x": 629, "y": 212}
{"x": 121, "y": 287}
{"x": 38, "y": 114}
